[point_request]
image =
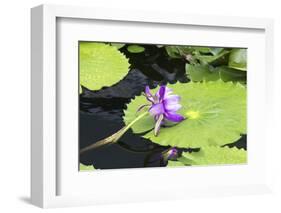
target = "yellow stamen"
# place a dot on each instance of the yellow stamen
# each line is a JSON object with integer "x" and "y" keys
{"x": 192, "y": 114}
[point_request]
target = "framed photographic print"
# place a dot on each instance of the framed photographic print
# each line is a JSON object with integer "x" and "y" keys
{"x": 132, "y": 105}
{"x": 194, "y": 115}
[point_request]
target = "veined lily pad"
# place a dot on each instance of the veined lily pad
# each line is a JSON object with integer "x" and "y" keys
{"x": 215, "y": 115}
{"x": 216, "y": 155}
{"x": 101, "y": 65}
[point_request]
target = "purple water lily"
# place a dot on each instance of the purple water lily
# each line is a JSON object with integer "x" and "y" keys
{"x": 163, "y": 106}
{"x": 172, "y": 153}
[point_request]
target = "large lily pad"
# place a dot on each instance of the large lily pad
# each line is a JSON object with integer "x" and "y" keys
{"x": 101, "y": 65}
{"x": 216, "y": 155}
{"x": 215, "y": 115}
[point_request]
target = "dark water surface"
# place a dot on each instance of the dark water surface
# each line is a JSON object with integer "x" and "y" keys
{"x": 101, "y": 112}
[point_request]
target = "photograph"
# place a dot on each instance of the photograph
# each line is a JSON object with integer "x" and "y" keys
{"x": 161, "y": 105}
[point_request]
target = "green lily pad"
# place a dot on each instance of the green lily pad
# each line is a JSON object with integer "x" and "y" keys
{"x": 101, "y": 65}
{"x": 178, "y": 51}
{"x": 198, "y": 72}
{"x": 230, "y": 74}
{"x": 117, "y": 45}
{"x": 172, "y": 163}
{"x": 202, "y": 49}
{"x": 216, "y": 50}
{"x": 238, "y": 59}
{"x": 144, "y": 124}
{"x": 135, "y": 48}
{"x": 209, "y": 59}
{"x": 207, "y": 50}
{"x": 200, "y": 52}
{"x": 215, "y": 114}
{"x": 83, "y": 167}
{"x": 212, "y": 155}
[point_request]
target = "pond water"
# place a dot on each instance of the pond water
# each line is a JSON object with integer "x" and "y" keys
{"x": 101, "y": 112}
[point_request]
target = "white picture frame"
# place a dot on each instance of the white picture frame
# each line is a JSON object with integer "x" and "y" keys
{"x": 46, "y": 162}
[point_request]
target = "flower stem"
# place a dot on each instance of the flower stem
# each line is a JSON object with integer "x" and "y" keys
{"x": 113, "y": 138}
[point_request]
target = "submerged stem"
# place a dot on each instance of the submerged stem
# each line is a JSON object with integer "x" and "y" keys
{"x": 115, "y": 137}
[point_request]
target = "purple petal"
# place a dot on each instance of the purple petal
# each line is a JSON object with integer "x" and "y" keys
{"x": 148, "y": 94}
{"x": 172, "y": 99}
{"x": 172, "y": 153}
{"x": 157, "y": 109}
{"x": 147, "y": 91}
{"x": 161, "y": 93}
{"x": 168, "y": 92}
{"x": 174, "y": 117}
{"x": 172, "y": 103}
{"x": 170, "y": 108}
